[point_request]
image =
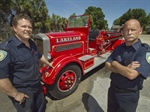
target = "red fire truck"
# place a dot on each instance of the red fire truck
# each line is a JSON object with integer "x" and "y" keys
{"x": 73, "y": 52}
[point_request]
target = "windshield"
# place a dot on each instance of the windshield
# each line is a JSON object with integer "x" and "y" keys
{"x": 78, "y": 21}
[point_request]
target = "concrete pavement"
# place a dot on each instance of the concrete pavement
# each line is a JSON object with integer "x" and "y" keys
{"x": 91, "y": 96}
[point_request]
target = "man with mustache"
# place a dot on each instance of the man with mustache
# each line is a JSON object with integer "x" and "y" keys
{"x": 19, "y": 69}
{"x": 129, "y": 64}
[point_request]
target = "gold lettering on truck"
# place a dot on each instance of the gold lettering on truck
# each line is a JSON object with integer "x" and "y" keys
{"x": 68, "y": 39}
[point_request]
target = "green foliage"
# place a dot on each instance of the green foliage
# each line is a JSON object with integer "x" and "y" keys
{"x": 96, "y": 17}
{"x": 5, "y": 13}
{"x": 78, "y": 21}
{"x": 42, "y": 22}
{"x": 57, "y": 22}
{"x": 148, "y": 19}
{"x": 138, "y": 14}
{"x": 36, "y": 9}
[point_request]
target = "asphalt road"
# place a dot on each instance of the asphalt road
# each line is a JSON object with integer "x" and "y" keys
{"x": 90, "y": 96}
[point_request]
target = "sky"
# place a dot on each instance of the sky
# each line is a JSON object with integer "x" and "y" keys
{"x": 112, "y": 9}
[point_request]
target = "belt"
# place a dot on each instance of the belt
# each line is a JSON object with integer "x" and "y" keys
{"x": 125, "y": 90}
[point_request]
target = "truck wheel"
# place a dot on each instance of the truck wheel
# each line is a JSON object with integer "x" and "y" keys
{"x": 66, "y": 82}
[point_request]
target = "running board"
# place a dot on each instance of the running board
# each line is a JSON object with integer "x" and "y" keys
{"x": 98, "y": 61}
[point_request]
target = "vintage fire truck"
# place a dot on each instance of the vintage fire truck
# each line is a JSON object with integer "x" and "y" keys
{"x": 73, "y": 52}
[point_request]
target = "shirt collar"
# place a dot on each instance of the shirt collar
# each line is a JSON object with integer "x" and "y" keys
{"x": 17, "y": 41}
{"x": 135, "y": 46}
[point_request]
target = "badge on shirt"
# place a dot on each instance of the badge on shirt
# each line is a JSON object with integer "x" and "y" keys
{"x": 148, "y": 57}
{"x": 3, "y": 55}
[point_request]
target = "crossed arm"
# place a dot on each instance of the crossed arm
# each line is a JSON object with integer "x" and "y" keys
{"x": 126, "y": 71}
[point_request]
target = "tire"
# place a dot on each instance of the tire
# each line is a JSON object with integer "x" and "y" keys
{"x": 66, "y": 82}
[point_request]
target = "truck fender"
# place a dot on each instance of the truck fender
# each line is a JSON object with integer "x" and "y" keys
{"x": 58, "y": 64}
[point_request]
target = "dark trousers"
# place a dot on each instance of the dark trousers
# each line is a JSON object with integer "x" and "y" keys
{"x": 122, "y": 101}
{"x": 35, "y": 103}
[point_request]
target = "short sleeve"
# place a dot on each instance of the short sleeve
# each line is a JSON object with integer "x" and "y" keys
{"x": 39, "y": 54}
{"x": 113, "y": 55}
{"x": 144, "y": 60}
{"x": 4, "y": 64}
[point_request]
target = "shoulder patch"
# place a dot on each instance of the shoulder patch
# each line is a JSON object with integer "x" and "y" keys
{"x": 3, "y": 55}
{"x": 148, "y": 57}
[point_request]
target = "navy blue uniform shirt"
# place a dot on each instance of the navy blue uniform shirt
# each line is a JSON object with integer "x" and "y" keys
{"x": 125, "y": 55}
{"x": 19, "y": 63}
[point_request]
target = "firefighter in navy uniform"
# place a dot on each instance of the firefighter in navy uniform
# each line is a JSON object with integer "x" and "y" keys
{"x": 129, "y": 64}
{"x": 19, "y": 70}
